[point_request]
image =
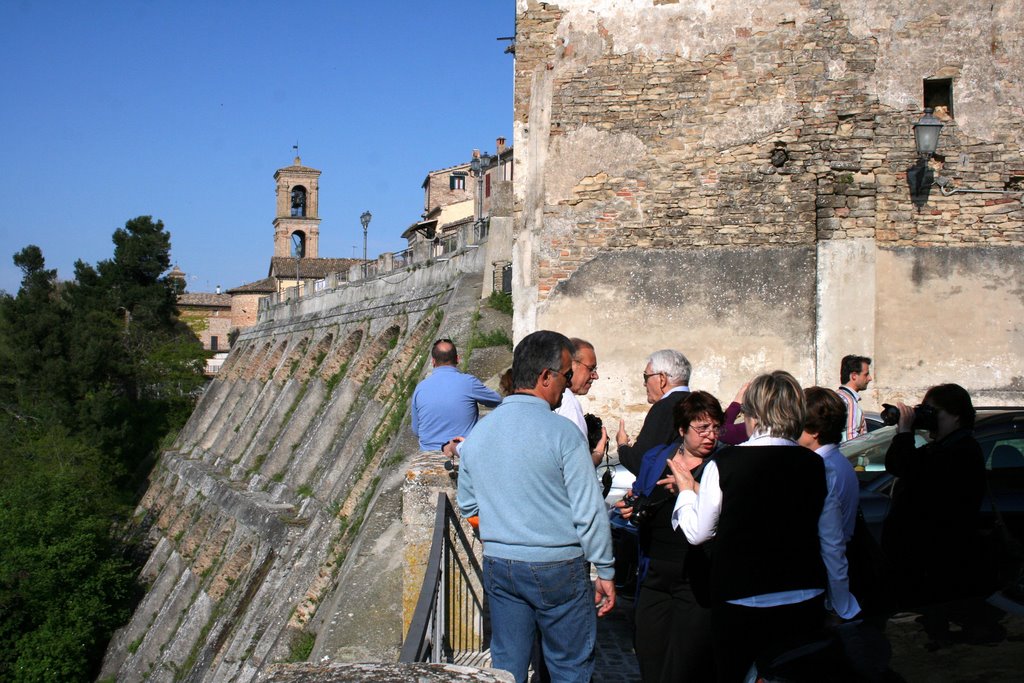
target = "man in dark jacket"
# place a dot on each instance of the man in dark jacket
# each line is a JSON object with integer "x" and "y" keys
{"x": 666, "y": 379}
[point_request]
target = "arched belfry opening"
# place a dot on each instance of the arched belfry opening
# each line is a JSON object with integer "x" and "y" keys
{"x": 297, "y": 223}
{"x": 298, "y": 244}
{"x": 298, "y": 197}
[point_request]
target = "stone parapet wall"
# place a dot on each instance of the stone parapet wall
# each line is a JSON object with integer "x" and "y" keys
{"x": 255, "y": 514}
{"x": 384, "y": 673}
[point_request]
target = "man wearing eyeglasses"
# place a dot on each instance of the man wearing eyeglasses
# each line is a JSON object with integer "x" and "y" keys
{"x": 524, "y": 471}
{"x": 584, "y": 372}
{"x": 444, "y": 405}
{"x": 666, "y": 380}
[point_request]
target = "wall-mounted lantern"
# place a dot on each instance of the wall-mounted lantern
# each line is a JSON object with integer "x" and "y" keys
{"x": 920, "y": 176}
{"x": 926, "y": 134}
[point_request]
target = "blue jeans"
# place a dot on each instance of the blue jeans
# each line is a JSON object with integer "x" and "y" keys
{"x": 555, "y": 597}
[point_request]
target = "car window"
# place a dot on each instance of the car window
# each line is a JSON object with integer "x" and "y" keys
{"x": 867, "y": 453}
{"x": 1003, "y": 453}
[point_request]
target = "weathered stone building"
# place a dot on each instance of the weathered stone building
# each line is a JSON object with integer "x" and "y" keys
{"x": 730, "y": 179}
{"x": 208, "y": 316}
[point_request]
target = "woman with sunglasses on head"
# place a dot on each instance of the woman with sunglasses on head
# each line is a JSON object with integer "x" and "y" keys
{"x": 763, "y": 503}
{"x": 673, "y": 634}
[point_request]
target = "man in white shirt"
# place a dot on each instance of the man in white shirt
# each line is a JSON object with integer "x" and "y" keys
{"x": 584, "y": 372}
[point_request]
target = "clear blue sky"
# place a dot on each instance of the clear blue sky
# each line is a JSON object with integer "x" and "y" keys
{"x": 183, "y": 110}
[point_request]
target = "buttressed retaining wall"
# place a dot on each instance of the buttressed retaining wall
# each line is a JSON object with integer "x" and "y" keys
{"x": 730, "y": 179}
{"x": 255, "y": 512}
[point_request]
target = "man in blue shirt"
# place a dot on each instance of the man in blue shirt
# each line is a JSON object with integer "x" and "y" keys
{"x": 444, "y": 405}
{"x": 823, "y": 428}
{"x": 526, "y": 472}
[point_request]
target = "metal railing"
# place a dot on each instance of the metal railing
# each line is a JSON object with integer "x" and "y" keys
{"x": 424, "y": 254}
{"x": 450, "y": 623}
{"x": 402, "y": 259}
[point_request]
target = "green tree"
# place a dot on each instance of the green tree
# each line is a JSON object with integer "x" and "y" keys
{"x": 136, "y": 367}
{"x": 34, "y": 355}
{"x": 64, "y": 583}
{"x": 93, "y": 374}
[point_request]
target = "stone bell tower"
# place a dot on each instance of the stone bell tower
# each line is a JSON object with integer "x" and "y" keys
{"x": 297, "y": 224}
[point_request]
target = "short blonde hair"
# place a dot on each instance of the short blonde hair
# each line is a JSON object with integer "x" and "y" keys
{"x": 776, "y": 401}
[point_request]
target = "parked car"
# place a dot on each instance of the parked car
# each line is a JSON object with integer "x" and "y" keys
{"x": 873, "y": 420}
{"x": 999, "y": 431}
{"x": 622, "y": 481}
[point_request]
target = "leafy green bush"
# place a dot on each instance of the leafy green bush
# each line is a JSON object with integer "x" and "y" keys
{"x": 301, "y": 646}
{"x": 481, "y": 340}
{"x": 500, "y": 301}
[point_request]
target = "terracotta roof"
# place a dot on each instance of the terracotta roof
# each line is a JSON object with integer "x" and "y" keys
{"x": 204, "y": 299}
{"x": 267, "y": 284}
{"x": 454, "y": 224}
{"x": 297, "y": 167}
{"x": 423, "y": 226}
{"x": 284, "y": 266}
{"x": 448, "y": 169}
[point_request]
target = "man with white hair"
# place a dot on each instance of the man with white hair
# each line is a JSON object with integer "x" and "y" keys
{"x": 666, "y": 379}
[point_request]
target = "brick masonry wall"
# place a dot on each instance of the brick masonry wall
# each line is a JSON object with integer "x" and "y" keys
{"x": 441, "y": 193}
{"x": 689, "y": 132}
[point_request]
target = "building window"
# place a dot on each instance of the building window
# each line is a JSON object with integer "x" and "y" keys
{"x": 213, "y": 343}
{"x": 457, "y": 182}
{"x": 487, "y": 185}
{"x": 938, "y": 94}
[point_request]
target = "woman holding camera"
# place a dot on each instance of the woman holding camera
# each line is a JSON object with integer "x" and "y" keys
{"x": 763, "y": 503}
{"x": 673, "y": 631}
{"x": 931, "y": 533}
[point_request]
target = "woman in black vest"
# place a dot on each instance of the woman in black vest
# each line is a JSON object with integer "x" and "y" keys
{"x": 673, "y": 631}
{"x": 762, "y": 502}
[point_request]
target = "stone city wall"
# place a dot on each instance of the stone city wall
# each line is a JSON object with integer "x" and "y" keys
{"x": 275, "y": 519}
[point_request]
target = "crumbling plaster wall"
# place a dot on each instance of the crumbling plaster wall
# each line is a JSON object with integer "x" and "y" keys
{"x": 689, "y": 147}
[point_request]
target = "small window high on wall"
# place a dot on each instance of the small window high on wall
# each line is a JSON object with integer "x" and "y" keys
{"x": 938, "y": 94}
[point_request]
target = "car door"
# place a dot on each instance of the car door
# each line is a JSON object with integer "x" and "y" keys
{"x": 1004, "y": 461}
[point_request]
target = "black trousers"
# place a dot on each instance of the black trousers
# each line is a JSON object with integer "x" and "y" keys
{"x": 673, "y": 632}
{"x": 741, "y": 633}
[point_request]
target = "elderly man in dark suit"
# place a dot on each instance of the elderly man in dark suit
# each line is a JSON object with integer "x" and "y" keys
{"x": 666, "y": 379}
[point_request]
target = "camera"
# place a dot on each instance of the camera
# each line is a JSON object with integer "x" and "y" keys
{"x": 593, "y": 429}
{"x": 924, "y": 416}
{"x": 643, "y": 511}
{"x": 643, "y": 508}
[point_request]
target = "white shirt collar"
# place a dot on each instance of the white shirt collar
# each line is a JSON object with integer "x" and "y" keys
{"x": 674, "y": 389}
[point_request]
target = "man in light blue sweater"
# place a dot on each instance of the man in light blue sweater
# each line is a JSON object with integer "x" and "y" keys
{"x": 525, "y": 471}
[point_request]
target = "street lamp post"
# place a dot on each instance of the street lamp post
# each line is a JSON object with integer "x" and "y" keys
{"x": 365, "y": 220}
{"x": 478, "y": 167}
